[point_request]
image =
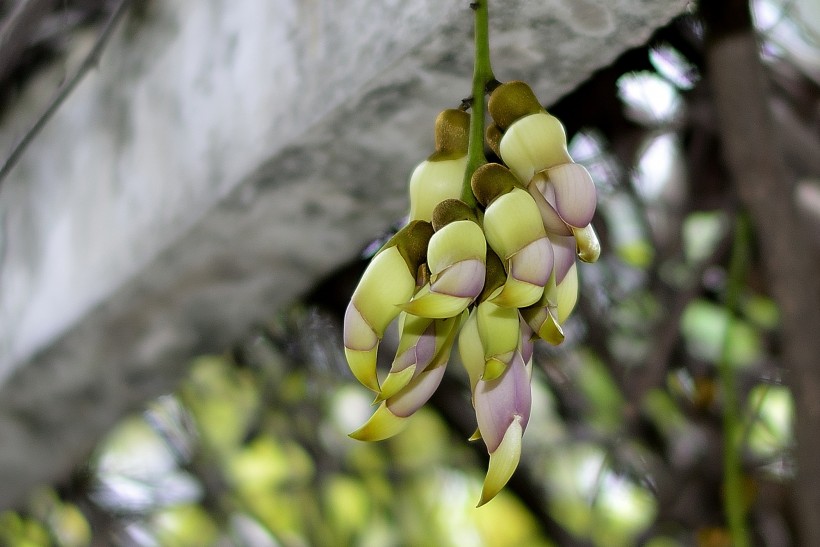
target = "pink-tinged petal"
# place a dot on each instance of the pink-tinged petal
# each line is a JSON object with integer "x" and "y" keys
{"x": 534, "y": 263}
{"x": 465, "y": 278}
{"x": 422, "y": 352}
{"x": 527, "y": 345}
{"x": 419, "y": 351}
{"x": 392, "y": 415}
{"x": 358, "y": 334}
{"x": 417, "y": 392}
{"x": 528, "y": 271}
{"x": 575, "y": 195}
{"x": 410, "y": 361}
{"x": 361, "y": 347}
{"x": 498, "y": 402}
{"x": 544, "y": 195}
{"x": 564, "y": 249}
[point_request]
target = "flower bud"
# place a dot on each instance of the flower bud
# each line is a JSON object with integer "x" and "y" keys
{"x": 542, "y": 317}
{"x": 534, "y": 143}
{"x": 500, "y": 333}
{"x": 423, "y": 343}
{"x": 455, "y": 257}
{"x": 543, "y": 194}
{"x": 588, "y": 246}
{"x": 441, "y": 176}
{"x": 574, "y": 191}
{"x": 434, "y": 181}
{"x": 392, "y": 415}
{"x": 502, "y": 408}
{"x": 515, "y": 231}
{"x": 388, "y": 282}
{"x": 490, "y": 181}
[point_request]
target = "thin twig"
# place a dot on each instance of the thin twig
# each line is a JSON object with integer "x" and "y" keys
{"x": 91, "y": 60}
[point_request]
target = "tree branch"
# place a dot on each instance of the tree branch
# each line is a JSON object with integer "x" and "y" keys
{"x": 756, "y": 165}
{"x": 65, "y": 90}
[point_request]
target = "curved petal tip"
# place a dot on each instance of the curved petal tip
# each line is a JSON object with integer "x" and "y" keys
{"x": 503, "y": 462}
{"x": 383, "y": 424}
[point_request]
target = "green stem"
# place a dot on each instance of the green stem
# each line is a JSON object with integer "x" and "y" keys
{"x": 482, "y": 75}
{"x": 733, "y": 495}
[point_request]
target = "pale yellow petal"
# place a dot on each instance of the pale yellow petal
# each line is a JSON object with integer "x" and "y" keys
{"x": 566, "y": 294}
{"x": 517, "y": 294}
{"x": 588, "y": 245}
{"x": 470, "y": 350}
{"x": 534, "y": 143}
{"x": 437, "y": 305}
{"x": 385, "y": 285}
{"x": 498, "y": 328}
{"x": 511, "y": 222}
{"x": 550, "y": 329}
{"x": 383, "y": 424}
{"x": 395, "y": 382}
{"x": 495, "y": 367}
{"x": 457, "y": 241}
{"x": 503, "y": 462}
{"x": 432, "y": 182}
{"x": 363, "y": 366}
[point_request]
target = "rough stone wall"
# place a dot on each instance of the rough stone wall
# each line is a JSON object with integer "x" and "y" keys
{"x": 222, "y": 158}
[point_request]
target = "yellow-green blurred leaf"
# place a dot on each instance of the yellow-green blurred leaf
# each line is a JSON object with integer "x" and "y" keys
{"x": 771, "y": 409}
{"x": 17, "y": 531}
{"x": 704, "y": 327}
{"x": 184, "y": 526}
{"x": 346, "y": 503}
{"x": 222, "y": 399}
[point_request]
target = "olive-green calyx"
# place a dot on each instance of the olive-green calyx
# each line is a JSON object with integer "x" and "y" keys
{"x": 451, "y": 210}
{"x": 495, "y": 276}
{"x": 490, "y": 181}
{"x": 493, "y": 137}
{"x": 411, "y": 242}
{"x": 452, "y": 134}
{"x": 512, "y": 101}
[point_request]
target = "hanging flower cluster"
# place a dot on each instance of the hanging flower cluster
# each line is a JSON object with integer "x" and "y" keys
{"x": 495, "y": 276}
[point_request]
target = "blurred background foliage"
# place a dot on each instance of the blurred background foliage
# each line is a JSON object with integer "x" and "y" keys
{"x": 626, "y": 441}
